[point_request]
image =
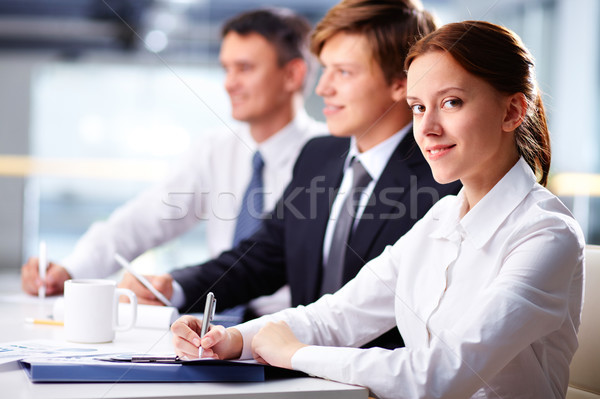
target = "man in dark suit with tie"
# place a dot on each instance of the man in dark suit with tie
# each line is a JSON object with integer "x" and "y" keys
{"x": 362, "y": 47}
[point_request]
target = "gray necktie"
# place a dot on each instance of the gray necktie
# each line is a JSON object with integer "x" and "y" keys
{"x": 334, "y": 269}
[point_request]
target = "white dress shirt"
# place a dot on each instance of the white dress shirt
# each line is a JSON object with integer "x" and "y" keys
{"x": 208, "y": 185}
{"x": 488, "y": 305}
{"x": 374, "y": 161}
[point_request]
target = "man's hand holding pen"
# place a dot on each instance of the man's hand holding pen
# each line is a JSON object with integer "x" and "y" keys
{"x": 156, "y": 292}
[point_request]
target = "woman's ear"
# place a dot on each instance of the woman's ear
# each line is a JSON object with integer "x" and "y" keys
{"x": 516, "y": 110}
{"x": 398, "y": 88}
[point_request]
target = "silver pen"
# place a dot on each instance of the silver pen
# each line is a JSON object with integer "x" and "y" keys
{"x": 209, "y": 313}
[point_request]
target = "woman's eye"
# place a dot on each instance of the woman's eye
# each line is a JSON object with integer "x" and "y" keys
{"x": 417, "y": 109}
{"x": 451, "y": 103}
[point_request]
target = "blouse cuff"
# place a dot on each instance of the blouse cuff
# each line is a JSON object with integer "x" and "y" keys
{"x": 248, "y": 331}
{"x": 304, "y": 360}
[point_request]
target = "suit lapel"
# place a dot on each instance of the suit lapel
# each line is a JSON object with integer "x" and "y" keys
{"x": 331, "y": 174}
{"x": 388, "y": 200}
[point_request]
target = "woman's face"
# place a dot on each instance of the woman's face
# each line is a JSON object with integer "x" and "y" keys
{"x": 459, "y": 121}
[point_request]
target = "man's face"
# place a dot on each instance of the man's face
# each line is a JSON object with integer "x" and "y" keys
{"x": 358, "y": 100}
{"x": 254, "y": 80}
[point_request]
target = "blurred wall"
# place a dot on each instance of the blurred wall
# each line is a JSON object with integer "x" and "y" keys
{"x": 14, "y": 140}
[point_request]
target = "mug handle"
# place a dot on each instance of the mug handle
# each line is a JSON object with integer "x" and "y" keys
{"x": 133, "y": 301}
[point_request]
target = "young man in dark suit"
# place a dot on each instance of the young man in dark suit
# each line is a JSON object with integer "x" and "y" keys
{"x": 362, "y": 47}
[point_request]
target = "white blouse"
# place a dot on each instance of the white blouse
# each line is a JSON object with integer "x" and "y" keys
{"x": 488, "y": 305}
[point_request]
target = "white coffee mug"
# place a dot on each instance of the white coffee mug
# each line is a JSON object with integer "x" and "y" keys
{"x": 91, "y": 310}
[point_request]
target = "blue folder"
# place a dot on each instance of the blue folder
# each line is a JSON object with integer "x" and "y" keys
{"x": 86, "y": 369}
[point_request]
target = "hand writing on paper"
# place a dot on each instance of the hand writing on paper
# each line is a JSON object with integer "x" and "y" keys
{"x": 218, "y": 343}
{"x": 56, "y": 276}
{"x": 275, "y": 344}
{"x": 163, "y": 283}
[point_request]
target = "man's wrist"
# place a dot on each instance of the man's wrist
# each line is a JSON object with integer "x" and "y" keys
{"x": 178, "y": 297}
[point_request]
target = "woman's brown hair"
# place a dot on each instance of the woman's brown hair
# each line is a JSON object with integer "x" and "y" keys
{"x": 498, "y": 56}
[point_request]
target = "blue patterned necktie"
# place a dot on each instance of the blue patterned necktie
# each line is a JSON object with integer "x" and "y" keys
{"x": 252, "y": 205}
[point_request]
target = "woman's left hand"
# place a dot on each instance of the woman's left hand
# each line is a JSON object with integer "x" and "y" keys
{"x": 275, "y": 344}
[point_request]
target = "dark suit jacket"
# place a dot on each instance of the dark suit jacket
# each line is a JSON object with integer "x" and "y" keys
{"x": 289, "y": 244}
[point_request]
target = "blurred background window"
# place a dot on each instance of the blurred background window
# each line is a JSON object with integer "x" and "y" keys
{"x": 101, "y": 97}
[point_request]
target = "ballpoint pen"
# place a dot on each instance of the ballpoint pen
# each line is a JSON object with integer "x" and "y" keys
{"x": 42, "y": 265}
{"x": 209, "y": 313}
{"x": 142, "y": 280}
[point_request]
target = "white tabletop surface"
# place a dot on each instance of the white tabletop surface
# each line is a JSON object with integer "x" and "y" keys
{"x": 14, "y": 383}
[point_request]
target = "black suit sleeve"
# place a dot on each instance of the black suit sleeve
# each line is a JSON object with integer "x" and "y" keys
{"x": 255, "y": 267}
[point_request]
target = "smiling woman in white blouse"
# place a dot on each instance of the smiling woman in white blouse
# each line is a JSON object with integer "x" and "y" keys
{"x": 486, "y": 289}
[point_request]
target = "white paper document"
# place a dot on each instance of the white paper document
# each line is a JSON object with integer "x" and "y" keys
{"x": 12, "y": 351}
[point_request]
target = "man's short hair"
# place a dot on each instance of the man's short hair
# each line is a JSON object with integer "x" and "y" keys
{"x": 391, "y": 27}
{"x": 287, "y": 31}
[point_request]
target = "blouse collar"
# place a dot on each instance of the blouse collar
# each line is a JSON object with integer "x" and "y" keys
{"x": 485, "y": 218}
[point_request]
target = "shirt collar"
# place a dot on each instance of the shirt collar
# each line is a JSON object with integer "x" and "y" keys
{"x": 493, "y": 208}
{"x": 375, "y": 159}
{"x": 278, "y": 148}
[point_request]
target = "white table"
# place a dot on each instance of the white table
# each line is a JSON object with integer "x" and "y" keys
{"x": 14, "y": 383}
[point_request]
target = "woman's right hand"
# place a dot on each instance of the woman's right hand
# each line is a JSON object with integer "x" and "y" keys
{"x": 218, "y": 343}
